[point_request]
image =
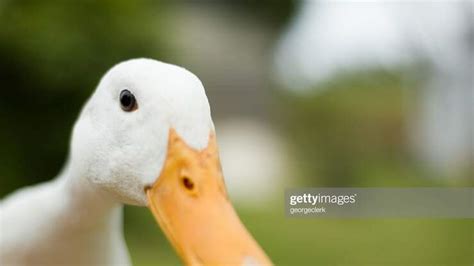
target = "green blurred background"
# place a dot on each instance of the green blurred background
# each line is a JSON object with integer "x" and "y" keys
{"x": 351, "y": 130}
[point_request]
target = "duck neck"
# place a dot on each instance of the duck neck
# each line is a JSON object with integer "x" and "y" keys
{"x": 90, "y": 219}
{"x": 91, "y": 206}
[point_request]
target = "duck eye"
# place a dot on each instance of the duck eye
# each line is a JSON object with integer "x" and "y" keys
{"x": 128, "y": 101}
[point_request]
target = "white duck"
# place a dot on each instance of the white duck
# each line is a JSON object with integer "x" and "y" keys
{"x": 146, "y": 138}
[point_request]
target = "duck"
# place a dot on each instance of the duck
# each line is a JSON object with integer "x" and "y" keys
{"x": 145, "y": 137}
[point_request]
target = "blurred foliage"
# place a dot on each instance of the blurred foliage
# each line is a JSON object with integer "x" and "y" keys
{"x": 303, "y": 241}
{"x": 351, "y": 131}
{"x": 273, "y": 11}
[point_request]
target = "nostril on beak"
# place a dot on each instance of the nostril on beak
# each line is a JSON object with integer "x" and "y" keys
{"x": 187, "y": 183}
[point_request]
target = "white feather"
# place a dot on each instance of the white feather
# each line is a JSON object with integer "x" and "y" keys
{"x": 76, "y": 219}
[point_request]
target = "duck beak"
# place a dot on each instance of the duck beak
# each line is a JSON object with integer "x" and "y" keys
{"x": 190, "y": 203}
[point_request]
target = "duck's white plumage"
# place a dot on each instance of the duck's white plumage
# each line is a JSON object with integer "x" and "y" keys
{"x": 76, "y": 218}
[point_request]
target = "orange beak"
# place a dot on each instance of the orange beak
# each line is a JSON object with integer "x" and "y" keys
{"x": 190, "y": 203}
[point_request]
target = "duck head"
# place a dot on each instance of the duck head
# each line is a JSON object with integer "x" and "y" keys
{"x": 146, "y": 138}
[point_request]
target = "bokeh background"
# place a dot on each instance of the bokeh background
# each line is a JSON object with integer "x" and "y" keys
{"x": 303, "y": 93}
